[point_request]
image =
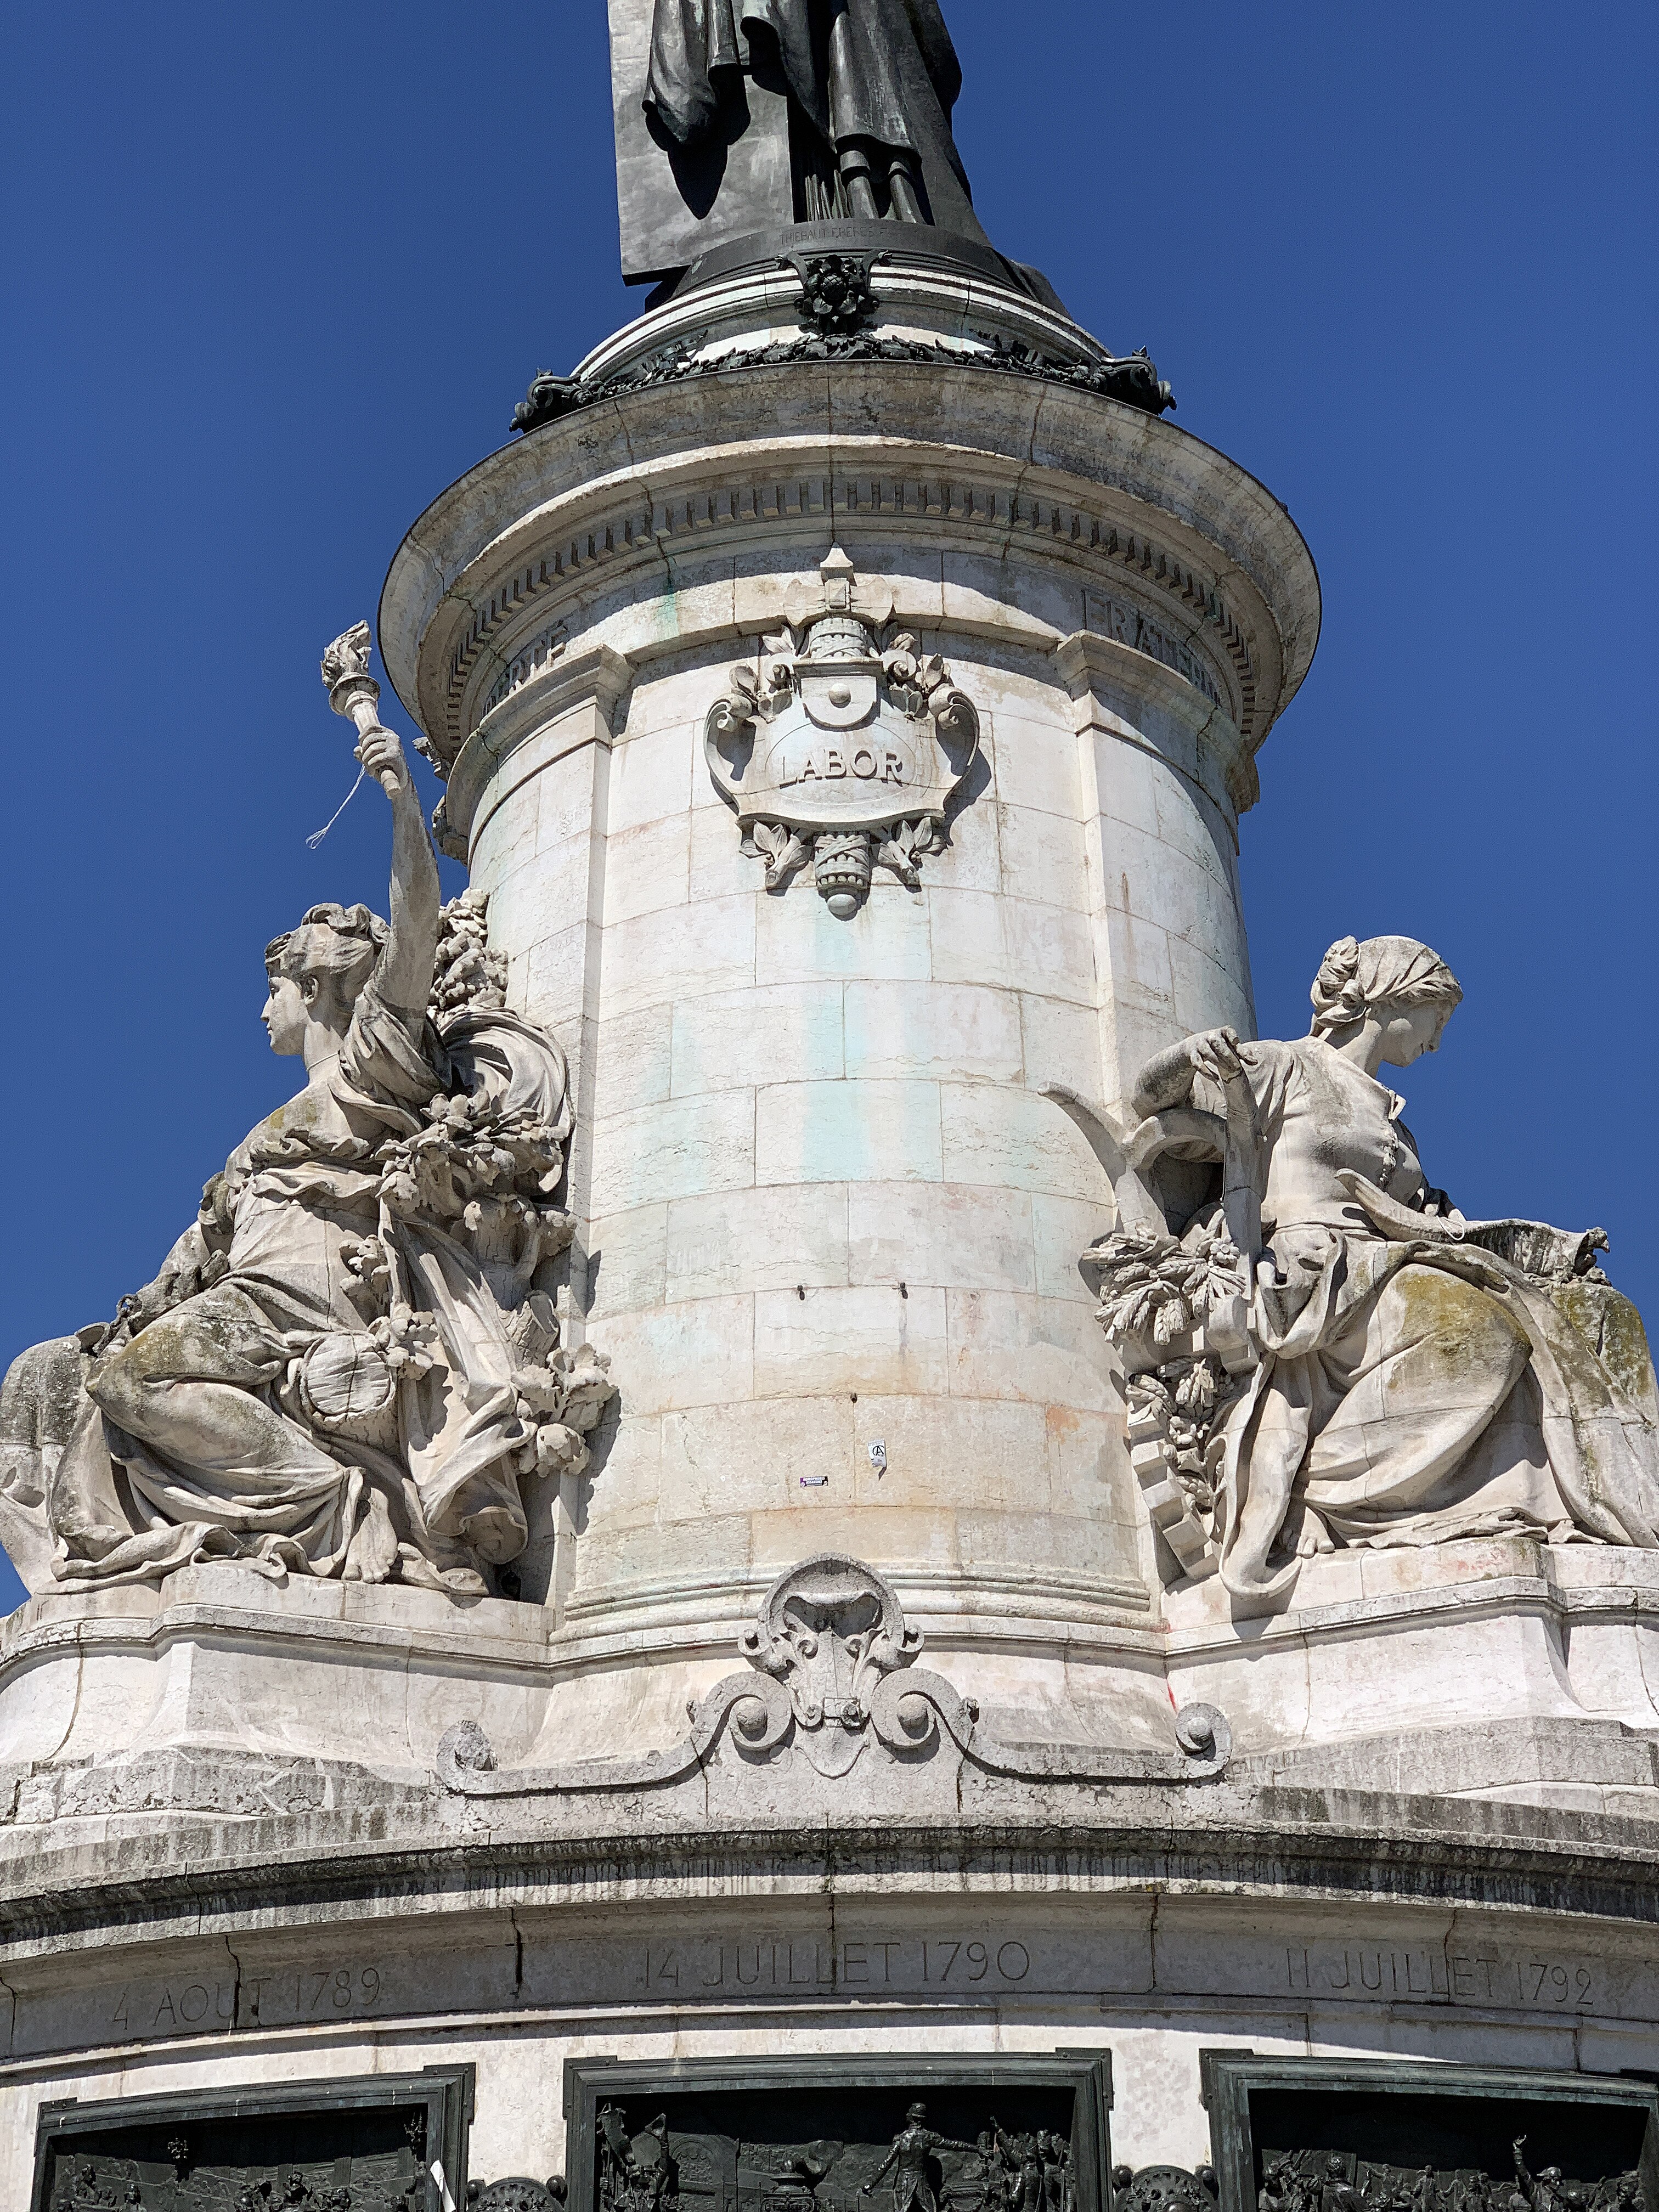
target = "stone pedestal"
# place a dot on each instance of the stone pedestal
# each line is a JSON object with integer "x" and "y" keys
{"x": 827, "y": 1205}
{"x": 843, "y": 1708}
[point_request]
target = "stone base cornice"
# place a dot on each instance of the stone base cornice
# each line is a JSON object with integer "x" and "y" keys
{"x": 213, "y": 1878}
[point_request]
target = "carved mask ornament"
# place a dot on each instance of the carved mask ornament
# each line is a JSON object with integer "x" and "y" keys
{"x": 839, "y": 751}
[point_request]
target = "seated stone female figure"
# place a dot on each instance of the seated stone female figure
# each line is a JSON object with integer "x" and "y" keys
{"x": 1417, "y": 1376}
{"x": 346, "y": 1367}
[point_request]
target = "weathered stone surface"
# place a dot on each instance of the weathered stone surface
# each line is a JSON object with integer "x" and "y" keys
{"x": 1322, "y": 1351}
{"x": 350, "y": 1363}
{"x": 822, "y": 1207}
{"x": 761, "y": 1072}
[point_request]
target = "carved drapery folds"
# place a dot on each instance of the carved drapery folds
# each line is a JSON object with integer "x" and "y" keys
{"x": 397, "y": 1425}
{"x": 837, "y": 748}
{"x": 832, "y": 1678}
{"x": 350, "y": 1364}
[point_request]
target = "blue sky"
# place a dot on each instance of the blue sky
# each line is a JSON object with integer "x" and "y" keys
{"x": 275, "y": 276}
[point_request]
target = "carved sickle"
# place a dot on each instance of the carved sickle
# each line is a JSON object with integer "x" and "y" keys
{"x": 1395, "y": 1220}
{"x": 1111, "y": 1139}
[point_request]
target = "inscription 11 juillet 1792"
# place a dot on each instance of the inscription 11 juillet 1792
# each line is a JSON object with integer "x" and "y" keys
{"x": 1483, "y": 1975}
{"x": 701, "y": 1969}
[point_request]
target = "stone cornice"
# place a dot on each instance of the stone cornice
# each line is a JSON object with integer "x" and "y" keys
{"x": 206, "y": 1878}
{"x": 967, "y": 503}
{"x": 741, "y": 304}
{"x": 1088, "y": 662}
{"x": 960, "y": 460}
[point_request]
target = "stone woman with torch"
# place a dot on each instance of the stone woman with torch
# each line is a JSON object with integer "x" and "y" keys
{"x": 343, "y": 1366}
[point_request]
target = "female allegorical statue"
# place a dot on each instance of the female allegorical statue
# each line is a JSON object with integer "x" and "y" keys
{"x": 344, "y": 1366}
{"x": 1396, "y": 1374}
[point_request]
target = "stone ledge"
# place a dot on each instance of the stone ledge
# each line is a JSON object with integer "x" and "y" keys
{"x": 1461, "y": 1762}
{"x": 1342, "y": 1590}
{"x": 761, "y": 304}
{"x": 419, "y": 1852}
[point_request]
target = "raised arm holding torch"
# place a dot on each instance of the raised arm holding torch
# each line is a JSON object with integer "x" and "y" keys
{"x": 353, "y": 692}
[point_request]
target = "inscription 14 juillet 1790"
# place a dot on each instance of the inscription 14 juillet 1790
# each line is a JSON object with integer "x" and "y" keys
{"x": 718, "y": 1966}
{"x": 777, "y": 1962}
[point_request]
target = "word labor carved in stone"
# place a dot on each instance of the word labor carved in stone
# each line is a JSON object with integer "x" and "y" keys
{"x": 831, "y": 764}
{"x": 839, "y": 748}
{"x": 1483, "y": 1975}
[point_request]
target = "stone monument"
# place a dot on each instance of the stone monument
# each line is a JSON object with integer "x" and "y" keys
{"x": 805, "y": 1533}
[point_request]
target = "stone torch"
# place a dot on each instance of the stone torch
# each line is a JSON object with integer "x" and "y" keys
{"x": 352, "y": 691}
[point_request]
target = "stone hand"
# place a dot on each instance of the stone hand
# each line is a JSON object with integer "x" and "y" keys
{"x": 1214, "y": 1053}
{"x": 156, "y": 1298}
{"x": 382, "y": 755}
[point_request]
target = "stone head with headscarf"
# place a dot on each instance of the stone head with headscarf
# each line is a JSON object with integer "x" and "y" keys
{"x": 1356, "y": 980}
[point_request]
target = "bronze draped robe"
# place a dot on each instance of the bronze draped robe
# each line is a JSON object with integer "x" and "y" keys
{"x": 880, "y": 72}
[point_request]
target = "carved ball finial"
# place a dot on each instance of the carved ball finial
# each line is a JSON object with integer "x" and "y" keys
{"x": 1203, "y": 1734}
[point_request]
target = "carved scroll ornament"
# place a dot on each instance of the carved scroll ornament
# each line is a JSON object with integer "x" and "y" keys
{"x": 833, "y": 1676}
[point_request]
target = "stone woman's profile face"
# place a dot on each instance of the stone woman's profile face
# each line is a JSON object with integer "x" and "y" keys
{"x": 284, "y": 1015}
{"x": 1410, "y": 1031}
